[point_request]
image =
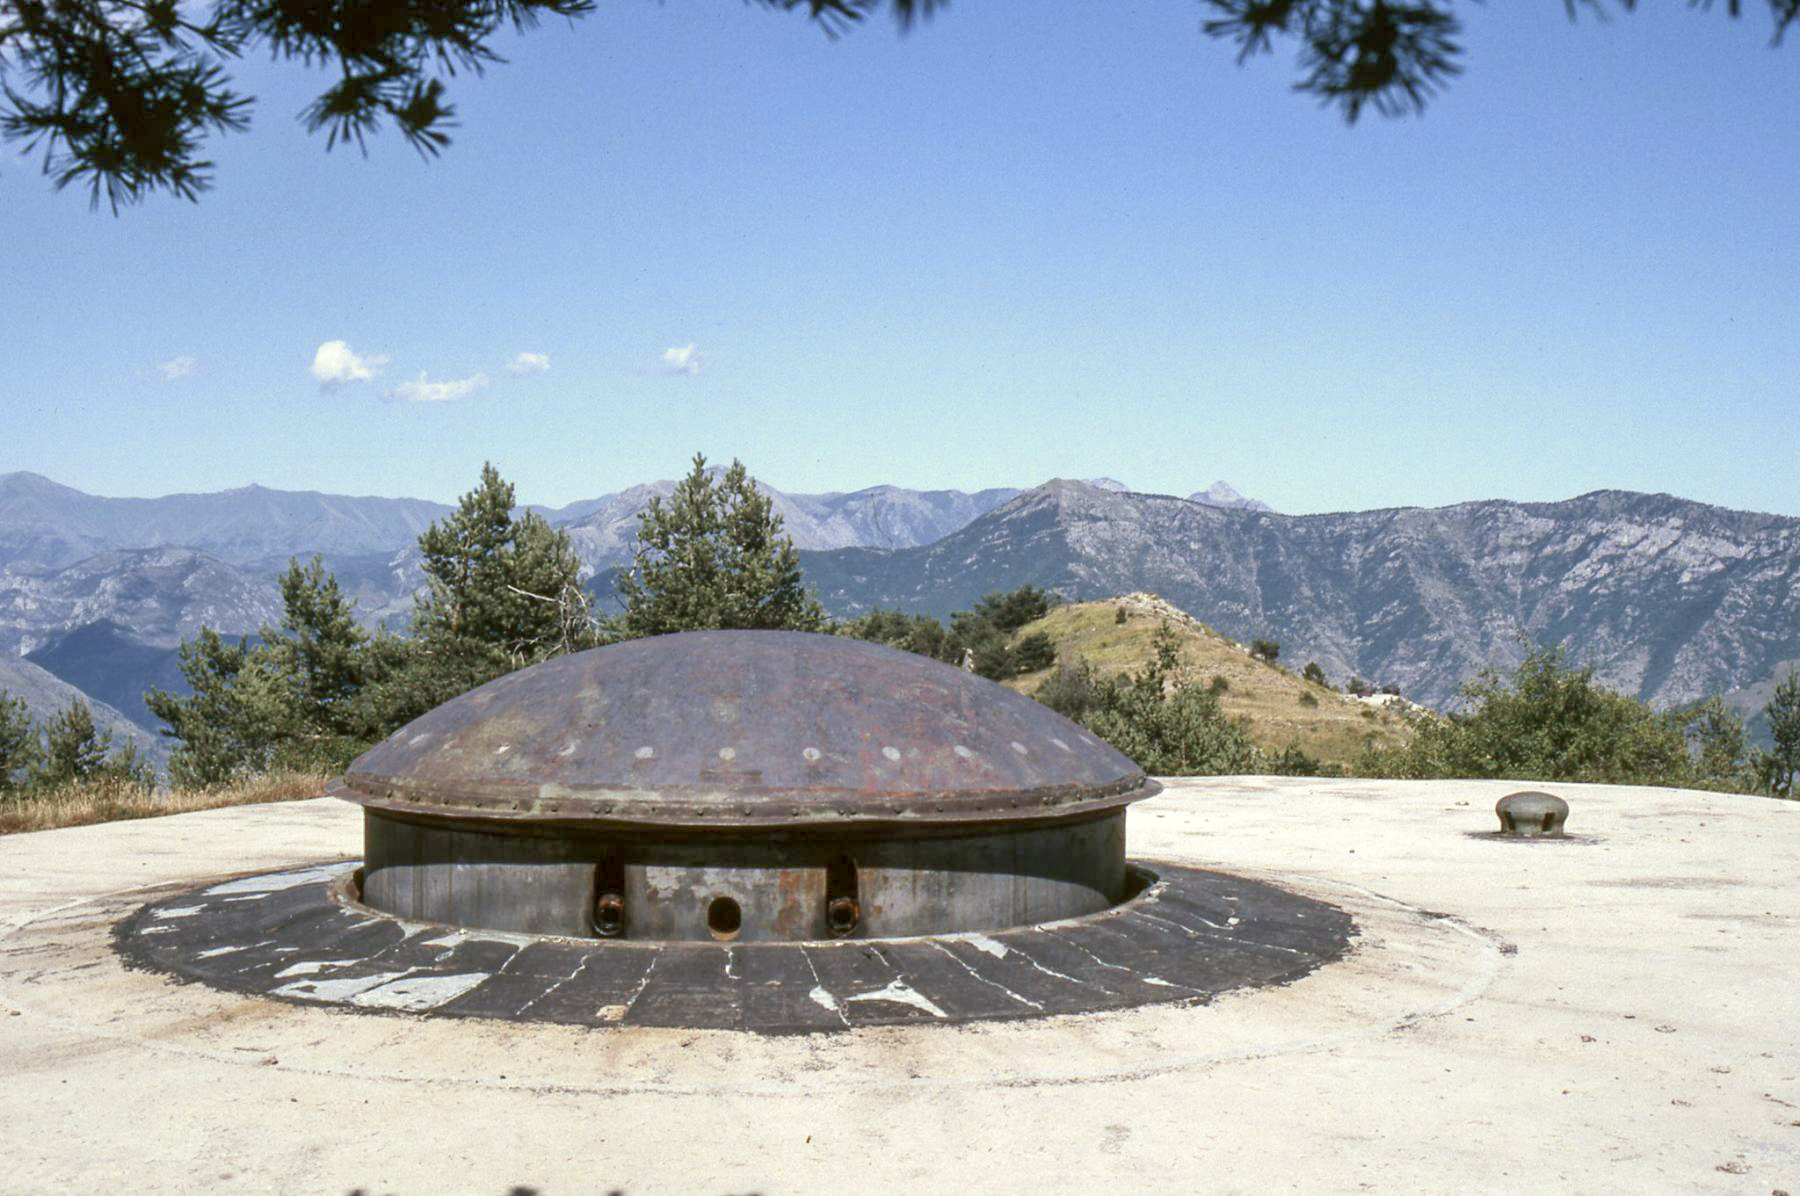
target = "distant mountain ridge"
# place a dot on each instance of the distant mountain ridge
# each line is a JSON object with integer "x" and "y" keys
{"x": 1222, "y": 494}
{"x": 161, "y": 596}
{"x": 51, "y": 525}
{"x": 44, "y": 523}
{"x": 1669, "y": 599}
{"x": 881, "y": 516}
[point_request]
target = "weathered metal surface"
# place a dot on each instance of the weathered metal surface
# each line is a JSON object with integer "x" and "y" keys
{"x": 1532, "y": 815}
{"x": 744, "y": 728}
{"x": 1187, "y": 937}
{"x": 540, "y": 879}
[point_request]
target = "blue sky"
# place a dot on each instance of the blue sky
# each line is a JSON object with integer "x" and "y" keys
{"x": 987, "y": 253}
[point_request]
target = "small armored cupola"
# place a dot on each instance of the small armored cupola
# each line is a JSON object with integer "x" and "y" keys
{"x": 743, "y": 786}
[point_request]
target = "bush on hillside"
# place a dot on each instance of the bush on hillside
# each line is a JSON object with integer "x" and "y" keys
{"x": 1071, "y": 690}
{"x": 1185, "y": 733}
{"x": 986, "y": 635}
{"x": 1033, "y": 652}
{"x": 1546, "y": 721}
{"x": 910, "y": 633}
{"x": 1170, "y": 728}
{"x": 1294, "y": 761}
{"x": 1011, "y": 611}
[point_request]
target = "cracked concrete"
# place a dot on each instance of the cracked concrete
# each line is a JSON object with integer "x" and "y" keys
{"x": 1618, "y": 1014}
{"x": 303, "y": 936}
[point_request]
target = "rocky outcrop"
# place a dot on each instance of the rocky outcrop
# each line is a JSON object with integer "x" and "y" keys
{"x": 159, "y": 596}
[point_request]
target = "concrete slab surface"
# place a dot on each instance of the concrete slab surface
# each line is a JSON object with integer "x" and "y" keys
{"x": 1616, "y": 1013}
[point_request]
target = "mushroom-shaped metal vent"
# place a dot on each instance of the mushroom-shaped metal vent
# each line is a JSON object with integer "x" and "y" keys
{"x": 1532, "y": 815}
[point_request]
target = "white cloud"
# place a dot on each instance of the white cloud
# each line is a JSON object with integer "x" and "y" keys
{"x": 177, "y": 368}
{"x": 422, "y": 391}
{"x": 335, "y": 365}
{"x": 527, "y": 363}
{"x": 684, "y": 359}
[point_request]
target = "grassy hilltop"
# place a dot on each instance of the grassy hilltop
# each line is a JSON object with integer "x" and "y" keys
{"x": 1333, "y": 727}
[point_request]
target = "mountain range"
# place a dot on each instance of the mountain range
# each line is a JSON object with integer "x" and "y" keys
{"x": 100, "y": 592}
{"x": 1668, "y": 599}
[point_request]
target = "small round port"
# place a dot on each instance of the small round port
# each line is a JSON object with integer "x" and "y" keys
{"x": 723, "y": 917}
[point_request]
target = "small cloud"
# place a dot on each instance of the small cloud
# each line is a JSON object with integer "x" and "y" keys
{"x": 335, "y": 365}
{"x": 526, "y": 364}
{"x": 423, "y": 391}
{"x": 177, "y": 368}
{"x": 684, "y": 359}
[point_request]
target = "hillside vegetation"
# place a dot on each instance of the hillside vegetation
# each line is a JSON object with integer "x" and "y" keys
{"x": 89, "y": 800}
{"x": 1136, "y": 670}
{"x": 1334, "y": 728}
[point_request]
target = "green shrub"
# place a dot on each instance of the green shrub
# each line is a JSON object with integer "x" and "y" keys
{"x": 1033, "y": 652}
{"x": 1011, "y": 611}
{"x": 910, "y": 633}
{"x": 1780, "y": 766}
{"x": 1547, "y": 721}
{"x": 1071, "y": 689}
{"x": 1184, "y": 733}
{"x": 1292, "y": 761}
{"x": 983, "y": 633}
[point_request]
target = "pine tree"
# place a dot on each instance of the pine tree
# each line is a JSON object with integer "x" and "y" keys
{"x": 123, "y": 96}
{"x": 503, "y": 591}
{"x": 287, "y": 702}
{"x": 322, "y": 648}
{"x": 318, "y": 689}
{"x": 1719, "y": 742}
{"x": 1783, "y": 713}
{"x": 228, "y": 724}
{"x": 18, "y": 744}
{"x": 74, "y": 749}
{"x": 714, "y": 556}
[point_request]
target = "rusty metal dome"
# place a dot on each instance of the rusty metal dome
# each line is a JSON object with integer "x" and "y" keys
{"x": 735, "y": 729}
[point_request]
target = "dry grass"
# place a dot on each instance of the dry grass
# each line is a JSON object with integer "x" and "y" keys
{"x": 1335, "y": 729}
{"x": 111, "y": 800}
